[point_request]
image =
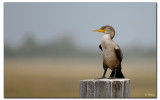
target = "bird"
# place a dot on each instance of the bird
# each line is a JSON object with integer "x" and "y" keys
{"x": 112, "y": 53}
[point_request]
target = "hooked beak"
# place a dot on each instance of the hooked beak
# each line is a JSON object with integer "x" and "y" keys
{"x": 99, "y": 30}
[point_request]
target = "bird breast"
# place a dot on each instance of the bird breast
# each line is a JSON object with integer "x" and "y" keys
{"x": 109, "y": 55}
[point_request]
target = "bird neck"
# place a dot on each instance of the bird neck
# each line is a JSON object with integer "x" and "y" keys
{"x": 112, "y": 34}
{"x": 108, "y": 36}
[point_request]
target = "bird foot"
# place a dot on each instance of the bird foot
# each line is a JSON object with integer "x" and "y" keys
{"x": 101, "y": 78}
{"x": 115, "y": 78}
{"x": 112, "y": 78}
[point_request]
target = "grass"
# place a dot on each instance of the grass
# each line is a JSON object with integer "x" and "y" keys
{"x": 60, "y": 77}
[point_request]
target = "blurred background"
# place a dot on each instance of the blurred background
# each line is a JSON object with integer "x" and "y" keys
{"x": 50, "y": 47}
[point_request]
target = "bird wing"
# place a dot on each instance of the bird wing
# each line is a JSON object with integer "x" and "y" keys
{"x": 119, "y": 53}
{"x": 100, "y": 47}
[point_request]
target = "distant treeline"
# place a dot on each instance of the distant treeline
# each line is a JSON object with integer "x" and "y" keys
{"x": 65, "y": 47}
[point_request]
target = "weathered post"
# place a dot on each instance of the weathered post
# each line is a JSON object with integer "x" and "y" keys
{"x": 110, "y": 88}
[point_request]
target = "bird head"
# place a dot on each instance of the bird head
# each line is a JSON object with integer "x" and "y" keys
{"x": 106, "y": 30}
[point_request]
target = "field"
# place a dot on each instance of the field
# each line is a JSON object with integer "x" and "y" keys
{"x": 48, "y": 77}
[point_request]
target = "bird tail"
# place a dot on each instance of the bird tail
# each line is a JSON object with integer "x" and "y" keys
{"x": 119, "y": 74}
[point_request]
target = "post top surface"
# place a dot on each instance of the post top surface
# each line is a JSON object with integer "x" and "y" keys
{"x": 107, "y": 79}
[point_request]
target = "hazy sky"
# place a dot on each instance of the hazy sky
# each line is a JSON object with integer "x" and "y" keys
{"x": 134, "y": 23}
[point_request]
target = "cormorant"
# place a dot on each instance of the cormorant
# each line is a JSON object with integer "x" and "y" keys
{"x": 112, "y": 54}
